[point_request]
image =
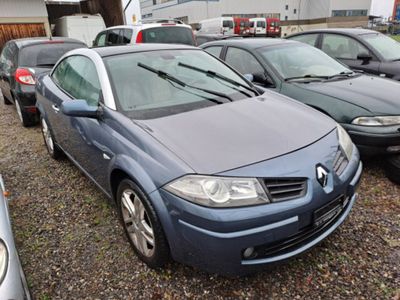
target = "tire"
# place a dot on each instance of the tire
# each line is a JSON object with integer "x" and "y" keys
{"x": 137, "y": 216}
{"x": 26, "y": 119}
{"x": 6, "y": 101}
{"x": 54, "y": 151}
{"x": 392, "y": 168}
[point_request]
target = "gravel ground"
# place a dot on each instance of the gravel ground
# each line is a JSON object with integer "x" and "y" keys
{"x": 72, "y": 246}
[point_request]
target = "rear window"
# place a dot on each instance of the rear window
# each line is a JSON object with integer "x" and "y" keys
{"x": 227, "y": 23}
{"x": 168, "y": 35}
{"x": 46, "y": 54}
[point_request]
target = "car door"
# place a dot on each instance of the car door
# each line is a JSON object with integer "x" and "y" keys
{"x": 246, "y": 63}
{"x": 85, "y": 138}
{"x": 347, "y": 50}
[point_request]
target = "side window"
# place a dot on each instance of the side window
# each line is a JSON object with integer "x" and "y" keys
{"x": 77, "y": 75}
{"x": 243, "y": 61}
{"x": 126, "y": 36}
{"x": 214, "y": 50}
{"x": 342, "y": 46}
{"x": 310, "y": 39}
{"x": 101, "y": 40}
{"x": 112, "y": 37}
{"x": 8, "y": 57}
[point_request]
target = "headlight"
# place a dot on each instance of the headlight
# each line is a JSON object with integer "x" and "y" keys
{"x": 3, "y": 260}
{"x": 345, "y": 142}
{"x": 216, "y": 191}
{"x": 377, "y": 121}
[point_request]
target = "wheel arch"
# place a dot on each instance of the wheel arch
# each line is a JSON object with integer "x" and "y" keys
{"x": 125, "y": 167}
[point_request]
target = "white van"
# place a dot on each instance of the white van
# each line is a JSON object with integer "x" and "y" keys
{"x": 80, "y": 27}
{"x": 224, "y": 25}
{"x": 258, "y": 27}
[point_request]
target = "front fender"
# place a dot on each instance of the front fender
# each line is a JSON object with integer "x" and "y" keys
{"x": 133, "y": 170}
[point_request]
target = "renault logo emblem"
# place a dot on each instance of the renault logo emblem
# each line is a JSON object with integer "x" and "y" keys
{"x": 322, "y": 176}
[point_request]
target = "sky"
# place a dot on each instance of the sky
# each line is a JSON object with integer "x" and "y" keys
{"x": 382, "y": 8}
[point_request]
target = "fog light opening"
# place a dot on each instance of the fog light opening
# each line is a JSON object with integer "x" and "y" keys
{"x": 248, "y": 252}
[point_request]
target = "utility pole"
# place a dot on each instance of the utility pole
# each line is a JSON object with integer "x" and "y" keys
{"x": 207, "y": 8}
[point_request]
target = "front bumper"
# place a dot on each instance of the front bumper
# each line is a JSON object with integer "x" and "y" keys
{"x": 375, "y": 140}
{"x": 215, "y": 239}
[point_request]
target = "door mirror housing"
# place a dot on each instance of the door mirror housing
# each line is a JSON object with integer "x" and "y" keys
{"x": 79, "y": 108}
{"x": 365, "y": 57}
{"x": 263, "y": 78}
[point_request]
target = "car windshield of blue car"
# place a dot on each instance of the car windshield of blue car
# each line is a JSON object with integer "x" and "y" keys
{"x": 387, "y": 47}
{"x": 155, "y": 84}
{"x": 297, "y": 61}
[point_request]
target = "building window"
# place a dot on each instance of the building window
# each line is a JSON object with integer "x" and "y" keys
{"x": 295, "y": 11}
{"x": 287, "y": 7}
{"x": 286, "y": 18}
{"x": 350, "y": 13}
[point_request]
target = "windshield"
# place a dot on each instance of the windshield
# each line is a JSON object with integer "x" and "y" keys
{"x": 169, "y": 35}
{"x": 387, "y": 47}
{"x": 261, "y": 24}
{"x": 297, "y": 60}
{"x": 141, "y": 93}
{"x": 46, "y": 54}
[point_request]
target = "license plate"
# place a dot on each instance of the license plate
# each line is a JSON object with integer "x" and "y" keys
{"x": 328, "y": 212}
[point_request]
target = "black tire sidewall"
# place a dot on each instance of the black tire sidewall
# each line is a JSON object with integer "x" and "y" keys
{"x": 161, "y": 252}
{"x": 392, "y": 168}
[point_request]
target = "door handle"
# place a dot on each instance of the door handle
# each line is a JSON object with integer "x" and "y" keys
{"x": 55, "y": 108}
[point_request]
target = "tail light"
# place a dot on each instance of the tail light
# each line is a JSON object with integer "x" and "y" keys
{"x": 24, "y": 76}
{"x": 139, "y": 38}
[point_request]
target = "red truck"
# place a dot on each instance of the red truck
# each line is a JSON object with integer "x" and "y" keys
{"x": 273, "y": 27}
{"x": 242, "y": 26}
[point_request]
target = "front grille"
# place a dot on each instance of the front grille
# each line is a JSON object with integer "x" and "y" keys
{"x": 301, "y": 238}
{"x": 340, "y": 162}
{"x": 285, "y": 189}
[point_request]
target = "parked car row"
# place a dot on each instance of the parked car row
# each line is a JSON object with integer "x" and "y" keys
{"x": 207, "y": 158}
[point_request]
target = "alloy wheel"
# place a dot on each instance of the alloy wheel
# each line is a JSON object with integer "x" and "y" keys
{"x": 19, "y": 111}
{"x": 47, "y": 136}
{"x": 137, "y": 223}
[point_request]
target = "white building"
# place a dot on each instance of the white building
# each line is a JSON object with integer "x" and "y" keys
{"x": 294, "y": 14}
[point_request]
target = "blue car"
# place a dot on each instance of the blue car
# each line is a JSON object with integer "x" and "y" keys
{"x": 203, "y": 169}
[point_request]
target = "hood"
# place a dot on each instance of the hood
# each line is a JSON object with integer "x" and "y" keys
{"x": 232, "y": 135}
{"x": 378, "y": 95}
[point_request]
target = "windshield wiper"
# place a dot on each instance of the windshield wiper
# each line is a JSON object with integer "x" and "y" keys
{"x": 166, "y": 76}
{"x": 308, "y": 76}
{"x": 344, "y": 73}
{"x": 45, "y": 65}
{"x": 214, "y": 74}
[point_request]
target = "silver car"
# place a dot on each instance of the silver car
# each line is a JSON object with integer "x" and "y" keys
{"x": 13, "y": 284}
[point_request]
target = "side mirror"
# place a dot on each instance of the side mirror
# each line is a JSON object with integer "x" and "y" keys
{"x": 79, "y": 108}
{"x": 365, "y": 57}
{"x": 262, "y": 78}
{"x": 249, "y": 77}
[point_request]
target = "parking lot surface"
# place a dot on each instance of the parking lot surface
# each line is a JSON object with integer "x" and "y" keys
{"x": 72, "y": 245}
